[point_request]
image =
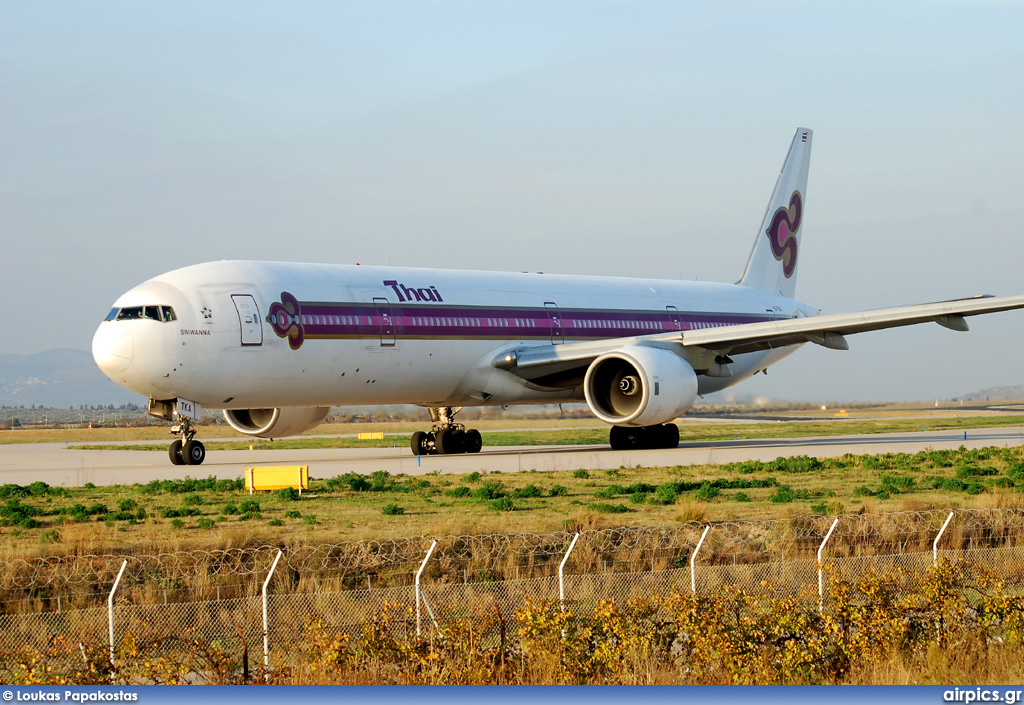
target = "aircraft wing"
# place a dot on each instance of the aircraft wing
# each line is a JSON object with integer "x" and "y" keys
{"x": 550, "y": 361}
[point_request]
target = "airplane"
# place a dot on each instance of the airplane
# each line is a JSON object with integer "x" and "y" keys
{"x": 275, "y": 345}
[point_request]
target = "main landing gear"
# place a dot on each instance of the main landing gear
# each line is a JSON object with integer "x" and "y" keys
{"x": 644, "y": 437}
{"x": 446, "y": 436}
{"x": 187, "y": 451}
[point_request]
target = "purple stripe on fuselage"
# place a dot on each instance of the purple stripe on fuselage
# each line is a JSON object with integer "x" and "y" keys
{"x": 328, "y": 320}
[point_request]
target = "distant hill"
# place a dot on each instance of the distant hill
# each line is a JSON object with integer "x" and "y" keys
{"x": 994, "y": 394}
{"x": 57, "y": 378}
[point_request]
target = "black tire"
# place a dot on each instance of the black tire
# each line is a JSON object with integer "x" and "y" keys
{"x": 456, "y": 442}
{"x": 194, "y": 453}
{"x": 442, "y": 442}
{"x": 175, "y": 452}
{"x": 625, "y": 438}
{"x": 474, "y": 441}
{"x": 670, "y": 436}
{"x": 418, "y": 443}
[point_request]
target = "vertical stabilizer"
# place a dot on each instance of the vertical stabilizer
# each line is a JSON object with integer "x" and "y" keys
{"x": 773, "y": 262}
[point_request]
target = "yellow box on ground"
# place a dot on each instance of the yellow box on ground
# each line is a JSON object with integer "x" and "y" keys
{"x": 276, "y": 477}
{"x": 374, "y": 436}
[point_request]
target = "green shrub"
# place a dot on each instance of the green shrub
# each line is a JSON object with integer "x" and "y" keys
{"x": 275, "y": 522}
{"x": 609, "y": 508}
{"x": 292, "y": 514}
{"x": 528, "y": 492}
{"x": 741, "y": 497}
{"x": 707, "y": 493}
{"x": 458, "y": 492}
{"x": 205, "y": 523}
{"x": 473, "y": 477}
{"x": 231, "y": 508}
{"x": 177, "y": 524}
{"x": 288, "y": 494}
{"x": 783, "y": 495}
{"x": 638, "y": 497}
{"x": 310, "y": 519}
{"x": 558, "y": 491}
{"x": 392, "y": 510}
{"x": 503, "y": 504}
{"x": 975, "y": 471}
{"x": 50, "y": 536}
{"x": 192, "y": 500}
{"x": 581, "y": 474}
{"x": 489, "y": 490}
{"x": 125, "y": 505}
{"x": 664, "y": 494}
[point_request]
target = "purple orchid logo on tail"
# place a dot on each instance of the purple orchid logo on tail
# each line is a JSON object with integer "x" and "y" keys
{"x": 782, "y": 233}
{"x": 285, "y": 318}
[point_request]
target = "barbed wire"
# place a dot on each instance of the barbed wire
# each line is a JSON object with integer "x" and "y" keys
{"x": 796, "y": 534}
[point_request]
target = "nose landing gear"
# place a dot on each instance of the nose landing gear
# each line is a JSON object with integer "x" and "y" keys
{"x": 446, "y": 436}
{"x": 187, "y": 450}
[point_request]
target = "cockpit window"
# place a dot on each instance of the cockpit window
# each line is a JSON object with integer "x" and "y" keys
{"x": 164, "y": 314}
{"x": 131, "y": 313}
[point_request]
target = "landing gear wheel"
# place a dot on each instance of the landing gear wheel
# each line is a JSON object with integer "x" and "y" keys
{"x": 670, "y": 435}
{"x": 175, "y": 452}
{"x": 456, "y": 441}
{"x": 443, "y": 442}
{"x": 418, "y": 443}
{"x": 626, "y": 438}
{"x": 194, "y": 453}
{"x": 474, "y": 442}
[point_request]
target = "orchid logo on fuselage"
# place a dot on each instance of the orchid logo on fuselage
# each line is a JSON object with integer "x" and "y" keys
{"x": 782, "y": 230}
{"x": 407, "y": 293}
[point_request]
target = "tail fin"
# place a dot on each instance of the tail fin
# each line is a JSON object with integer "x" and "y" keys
{"x": 773, "y": 261}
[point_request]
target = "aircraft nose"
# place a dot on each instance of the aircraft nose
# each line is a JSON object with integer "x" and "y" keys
{"x": 112, "y": 347}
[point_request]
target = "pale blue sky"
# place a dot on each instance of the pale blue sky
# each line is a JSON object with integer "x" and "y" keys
{"x": 618, "y": 138}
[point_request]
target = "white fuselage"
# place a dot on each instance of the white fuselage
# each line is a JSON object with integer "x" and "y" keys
{"x": 260, "y": 334}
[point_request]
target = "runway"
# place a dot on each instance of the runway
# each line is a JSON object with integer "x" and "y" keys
{"x": 56, "y": 465}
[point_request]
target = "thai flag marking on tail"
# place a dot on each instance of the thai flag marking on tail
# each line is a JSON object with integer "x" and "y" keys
{"x": 803, "y": 137}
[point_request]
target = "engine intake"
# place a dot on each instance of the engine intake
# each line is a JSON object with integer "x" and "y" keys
{"x": 276, "y": 423}
{"x": 639, "y": 386}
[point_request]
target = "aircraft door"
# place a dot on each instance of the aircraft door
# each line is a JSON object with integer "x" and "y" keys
{"x": 673, "y": 316}
{"x": 248, "y": 319}
{"x": 387, "y": 323}
{"x": 555, "y": 318}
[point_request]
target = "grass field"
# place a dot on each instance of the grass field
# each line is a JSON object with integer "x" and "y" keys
{"x": 176, "y": 514}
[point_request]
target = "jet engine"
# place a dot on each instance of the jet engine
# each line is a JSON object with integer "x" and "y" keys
{"x": 639, "y": 386}
{"x": 276, "y": 423}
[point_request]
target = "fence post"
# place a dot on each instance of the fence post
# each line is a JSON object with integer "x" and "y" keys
{"x": 821, "y": 577}
{"x": 266, "y": 620}
{"x": 419, "y": 593}
{"x": 110, "y": 608}
{"x": 693, "y": 560}
{"x": 935, "y": 543}
{"x": 561, "y": 573}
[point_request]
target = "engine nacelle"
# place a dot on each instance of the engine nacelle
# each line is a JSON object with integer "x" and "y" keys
{"x": 276, "y": 423}
{"x": 640, "y": 386}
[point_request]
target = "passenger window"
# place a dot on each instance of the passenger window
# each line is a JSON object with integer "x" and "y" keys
{"x": 130, "y": 314}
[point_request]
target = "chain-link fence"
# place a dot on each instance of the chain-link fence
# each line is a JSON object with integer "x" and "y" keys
{"x": 775, "y": 559}
{"x": 77, "y": 581}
